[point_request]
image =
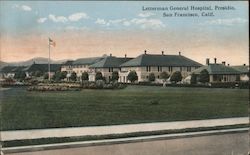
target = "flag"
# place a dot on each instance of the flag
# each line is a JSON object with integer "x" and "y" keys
{"x": 52, "y": 42}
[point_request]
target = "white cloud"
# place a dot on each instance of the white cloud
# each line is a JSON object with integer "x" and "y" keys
{"x": 146, "y": 14}
{"x": 148, "y": 23}
{"x": 75, "y": 28}
{"x": 126, "y": 23}
{"x": 41, "y": 20}
{"x": 22, "y": 7}
{"x": 77, "y": 16}
{"x": 58, "y": 19}
{"x": 141, "y": 22}
{"x": 227, "y": 22}
{"x": 100, "y": 21}
{"x": 116, "y": 21}
{"x": 26, "y": 8}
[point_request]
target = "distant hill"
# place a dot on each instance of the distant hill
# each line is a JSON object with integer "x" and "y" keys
{"x": 37, "y": 60}
{"x": 3, "y": 64}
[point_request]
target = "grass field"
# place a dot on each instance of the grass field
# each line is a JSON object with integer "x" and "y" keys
{"x": 135, "y": 104}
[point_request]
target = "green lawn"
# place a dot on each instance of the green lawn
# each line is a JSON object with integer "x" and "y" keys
{"x": 25, "y": 110}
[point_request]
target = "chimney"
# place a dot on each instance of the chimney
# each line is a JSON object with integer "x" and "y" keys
{"x": 207, "y": 61}
{"x": 179, "y": 53}
{"x": 224, "y": 63}
{"x": 162, "y": 52}
{"x": 145, "y": 52}
{"x": 228, "y": 64}
{"x": 244, "y": 64}
{"x": 125, "y": 55}
{"x": 110, "y": 54}
{"x": 215, "y": 60}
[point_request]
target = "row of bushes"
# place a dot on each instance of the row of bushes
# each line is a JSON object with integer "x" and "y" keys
{"x": 241, "y": 85}
{"x": 51, "y": 88}
{"x": 100, "y": 84}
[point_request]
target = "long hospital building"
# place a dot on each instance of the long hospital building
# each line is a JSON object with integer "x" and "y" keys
{"x": 143, "y": 64}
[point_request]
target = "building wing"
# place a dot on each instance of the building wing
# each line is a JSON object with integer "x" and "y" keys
{"x": 161, "y": 60}
{"x": 218, "y": 69}
{"x": 110, "y": 61}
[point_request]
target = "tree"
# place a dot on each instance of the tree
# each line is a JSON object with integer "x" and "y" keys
{"x": 73, "y": 76}
{"x": 85, "y": 76}
{"x": 57, "y": 76}
{"x": 151, "y": 77}
{"x": 204, "y": 76}
{"x": 164, "y": 75}
{"x": 20, "y": 75}
{"x": 46, "y": 76}
{"x": 98, "y": 76}
{"x": 115, "y": 76}
{"x": 193, "y": 79}
{"x": 63, "y": 75}
{"x": 176, "y": 77}
{"x": 132, "y": 76}
{"x": 38, "y": 73}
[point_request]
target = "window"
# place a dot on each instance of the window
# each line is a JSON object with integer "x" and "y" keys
{"x": 110, "y": 69}
{"x": 180, "y": 68}
{"x": 189, "y": 69}
{"x": 148, "y": 68}
{"x": 159, "y": 68}
{"x": 170, "y": 68}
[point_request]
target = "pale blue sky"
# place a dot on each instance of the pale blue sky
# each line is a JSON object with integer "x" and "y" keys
{"x": 12, "y": 12}
{"x": 27, "y": 18}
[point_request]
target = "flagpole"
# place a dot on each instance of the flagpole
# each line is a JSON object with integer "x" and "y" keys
{"x": 49, "y": 62}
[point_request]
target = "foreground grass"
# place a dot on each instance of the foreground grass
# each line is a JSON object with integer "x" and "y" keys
{"x": 135, "y": 104}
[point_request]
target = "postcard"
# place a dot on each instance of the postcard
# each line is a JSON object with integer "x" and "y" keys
{"x": 124, "y": 77}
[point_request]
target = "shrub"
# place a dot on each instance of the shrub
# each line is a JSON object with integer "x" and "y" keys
{"x": 98, "y": 76}
{"x": 46, "y": 76}
{"x": 164, "y": 75}
{"x": 63, "y": 75}
{"x": 204, "y": 76}
{"x": 100, "y": 84}
{"x": 176, "y": 77}
{"x": 20, "y": 75}
{"x": 115, "y": 76}
{"x": 38, "y": 74}
{"x": 73, "y": 76}
{"x": 85, "y": 76}
{"x": 132, "y": 76}
{"x": 193, "y": 79}
{"x": 151, "y": 77}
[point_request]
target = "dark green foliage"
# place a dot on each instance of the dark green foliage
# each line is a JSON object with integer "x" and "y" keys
{"x": 115, "y": 76}
{"x": 63, "y": 75}
{"x": 164, "y": 75}
{"x": 176, "y": 77}
{"x": 193, "y": 79}
{"x": 20, "y": 75}
{"x": 98, "y": 76}
{"x": 204, "y": 76}
{"x": 132, "y": 76}
{"x": 38, "y": 74}
{"x": 85, "y": 76}
{"x": 73, "y": 76}
{"x": 57, "y": 76}
{"x": 237, "y": 77}
{"x": 46, "y": 76}
{"x": 151, "y": 77}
